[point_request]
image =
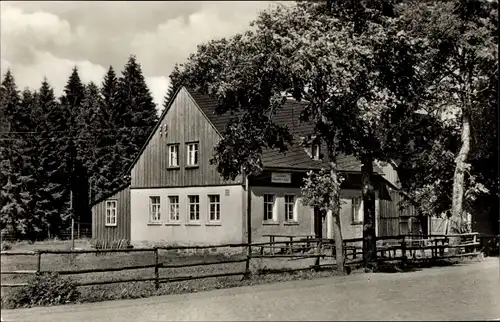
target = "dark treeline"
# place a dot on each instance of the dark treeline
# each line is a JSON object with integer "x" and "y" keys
{"x": 81, "y": 142}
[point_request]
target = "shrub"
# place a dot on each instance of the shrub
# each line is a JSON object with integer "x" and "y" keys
{"x": 45, "y": 289}
{"x": 5, "y": 245}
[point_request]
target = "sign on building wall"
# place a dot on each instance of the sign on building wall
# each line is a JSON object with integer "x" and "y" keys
{"x": 281, "y": 177}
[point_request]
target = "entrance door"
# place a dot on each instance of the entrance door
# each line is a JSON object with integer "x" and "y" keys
{"x": 318, "y": 223}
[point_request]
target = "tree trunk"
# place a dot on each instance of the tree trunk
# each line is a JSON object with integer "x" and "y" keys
{"x": 456, "y": 218}
{"x": 335, "y": 197}
{"x": 368, "y": 193}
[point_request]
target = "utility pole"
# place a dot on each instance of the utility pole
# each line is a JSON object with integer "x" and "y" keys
{"x": 72, "y": 219}
{"x": 71, "y": 210}
{"x": 71, "y": 178}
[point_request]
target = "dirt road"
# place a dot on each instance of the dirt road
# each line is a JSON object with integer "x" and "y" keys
{"x": 462, "y": 292}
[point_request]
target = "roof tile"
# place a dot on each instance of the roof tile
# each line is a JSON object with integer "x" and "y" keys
{"x": 296, "y": 156}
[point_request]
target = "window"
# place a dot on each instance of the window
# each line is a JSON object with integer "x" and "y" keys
{"x": 154, "y": 209}
{"x": 290, "y": 208}
{"x": 194, "y": 208}
{"x": 214, "y": 207}
{"x": 173, "y": 155}
{"x": 111, "y": 206}
{"x": 192, "y": 154}
{"x": 357, "y": 210}
{"x": 315, "y": 152}
{"x": 173, "y": 205}
{"x": 269, "y": 207}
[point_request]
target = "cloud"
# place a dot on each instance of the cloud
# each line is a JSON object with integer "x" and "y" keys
{"x": 158, "y": 87}
{"x": 48, "y": 38}
{"x": 57, "y": 70}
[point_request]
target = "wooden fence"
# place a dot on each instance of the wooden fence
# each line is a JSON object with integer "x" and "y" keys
{"x": 395, "y": 248}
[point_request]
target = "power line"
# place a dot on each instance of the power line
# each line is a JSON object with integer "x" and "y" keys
{"x": 69, "y": 131}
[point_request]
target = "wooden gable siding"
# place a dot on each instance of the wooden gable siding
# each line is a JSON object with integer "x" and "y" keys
{"x": 391, "y": 217}
{"x": 122, "y": 228}
{"x": 185, "y": 123}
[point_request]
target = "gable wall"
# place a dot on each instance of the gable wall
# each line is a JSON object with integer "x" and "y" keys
{"x": 185, "y": 123}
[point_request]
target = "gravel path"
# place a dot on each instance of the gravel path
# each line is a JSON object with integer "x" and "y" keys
{"x": 461, "y": 292}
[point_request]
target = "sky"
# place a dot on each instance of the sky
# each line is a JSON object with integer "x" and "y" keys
{"x": 48, "y": 38}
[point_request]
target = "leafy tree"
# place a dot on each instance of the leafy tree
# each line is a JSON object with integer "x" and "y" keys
{"x": 426, "y": 164}
{"x": 351, "y": 62}
{"x": 462, "y": 42}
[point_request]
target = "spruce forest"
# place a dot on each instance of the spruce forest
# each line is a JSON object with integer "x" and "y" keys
{"x": 81, "y": 142}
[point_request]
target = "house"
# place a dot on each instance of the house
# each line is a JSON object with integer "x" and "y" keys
{"x": 176, "y": 196}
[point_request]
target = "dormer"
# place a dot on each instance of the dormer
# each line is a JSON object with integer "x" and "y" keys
{"x": 313, "y": 148}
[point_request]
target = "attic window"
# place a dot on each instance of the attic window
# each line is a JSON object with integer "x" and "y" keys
{"x": 315, "y": 152}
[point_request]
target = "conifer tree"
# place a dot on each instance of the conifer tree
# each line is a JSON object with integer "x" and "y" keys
{"x": 88, "y": 134}
{"x": 52, "y": 203}
{"x": 12, "y": 206}
{"x": 138, "y": 110}
{"x": 108, "y": 159}
{"x": 71, "y": 103}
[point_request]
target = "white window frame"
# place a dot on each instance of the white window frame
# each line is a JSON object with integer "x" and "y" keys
{"x": 217, "y": 206}
{"x": 154, "y": 209}
{"x": 192, "y": 155}
{"x": 173, "y": 154}
{"x": 112, "y": 209}
{"x": 273, "y": 207}
{"x": 315, "y": 151}
{"x": 178, "y": 204}
{"x": 197, "y": 208}
{"x": 293, "y": 218}
{"x": 357, "y": 210}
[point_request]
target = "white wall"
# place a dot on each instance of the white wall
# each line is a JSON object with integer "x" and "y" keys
{"x": 228, "y": 230}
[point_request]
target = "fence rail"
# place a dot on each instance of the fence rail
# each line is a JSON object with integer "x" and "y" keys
{"x": 285, "y": 247}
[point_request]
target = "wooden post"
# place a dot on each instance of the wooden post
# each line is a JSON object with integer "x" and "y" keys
{"x": 157, "y": 271}
{"x": 38, "y": 262}
{"x": 72, "y": 219}
{"x": 403, "y": 251}
{"x": 318, "y": 252}
{"x": 290, "y": 247}
{"x": 249, "y": 227}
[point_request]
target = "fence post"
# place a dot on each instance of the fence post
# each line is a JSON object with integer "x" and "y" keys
{"x": 403, "y": 251}
{"x": 157, "y": 274}
{"x": 38, "y": 262}
{"x": 247, "y": 263}
{"x": 318, "y": 253}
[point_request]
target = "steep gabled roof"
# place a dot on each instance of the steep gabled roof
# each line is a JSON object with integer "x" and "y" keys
{"x": 296, "y": 157}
